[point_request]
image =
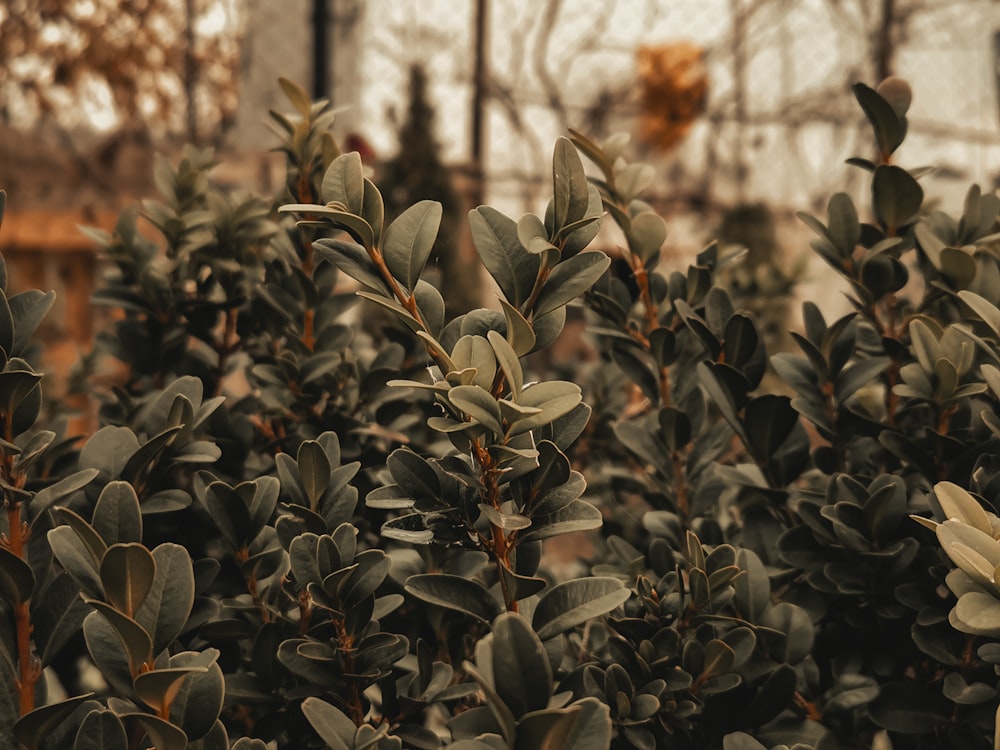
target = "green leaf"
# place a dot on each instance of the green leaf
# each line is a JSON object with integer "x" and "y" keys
{"x": 983, "y": 308}
{"x": 555, "y": 398}
{"x": 297, "y": 96}
{"x": 844, "y": 229}
{"x": 572, "y": 603}
{"x": 721, "y": 397}
{"x": 197, "y": 705}
{"x": 570, "y": 279}
{"x": 127, "y": 573}
{"x": 889, "y": 127}
{"x": 165, "y": 736}
{"x": 77, "y": 559}
{"x": 521, "y": 671}
{"x": 108, "y": 450}
{"x": 959, "y": 691}
{"x": 508, "y": 360}
{"x": 908, "y": 708}
{"x": 101, "y": 730}
{"x": 32, "y": 729}
{"x": 314, "y": 471}
{"x": 646, "y": 236}
{"x": 577, "y": 515}
{"x": 978, "y": 614}
{"x": 117, "y": 516}
{"x": 547, "y": 728}
{"x": 896, "y": 196}
{"x": 569, "y": 184}
{"x": 230, "y": 513}
{"x": 6, "y": 327}
{"x": 520, "y": 334}
{"x": 959, "y": 504}
{"x": 17, "y": 581}
{"x": 495, "y": 712}
{"x": 432, "y": 307}
{"x": 373, "y": 209}
{"x": 158, "y": 688}
{"x": 215, "y": 739}
{"x": 27, "y": 310}
{"x": 456, "y": 593}
{"x": 333, "y": 727}
{"x": 165, "y": 611}
{"x": 958, "y": 267}
{"x": 897, "y": 93}
{"x": 719, "y": 658}
{"x": 414, "y": 474}
{"x": 513, "y": 267}
{"x": 861, "y": 373}
{"x": 478, "y": 404}
{"x": 353, "y": 260}
{"x": 371, "y": 568}
{"x": 57, "y": 614}
{"x": 131, "y": 636}
{"x": 344, "y": 183}
{"x": 768, "y": 422}
{"x": 409, "y": 240}
{"x": 506, "y": 521}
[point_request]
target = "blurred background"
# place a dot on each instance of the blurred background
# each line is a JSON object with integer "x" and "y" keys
{"x": 743, "y": 106}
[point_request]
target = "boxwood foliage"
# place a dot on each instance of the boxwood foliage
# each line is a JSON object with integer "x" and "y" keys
{"x": 295, "y": 528}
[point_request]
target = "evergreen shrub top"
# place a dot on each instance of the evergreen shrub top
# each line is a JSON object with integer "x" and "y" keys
{"x": 350, "y": 555}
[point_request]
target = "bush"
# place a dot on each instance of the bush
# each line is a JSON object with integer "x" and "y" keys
{"x": 815, "y": 571}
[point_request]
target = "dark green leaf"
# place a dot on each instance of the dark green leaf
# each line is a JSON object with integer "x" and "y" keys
{"x": 17, "y": 581}
{"x": 130, "y": 636}
{"x": 521, "y": 669}
{"x": 570, "y": 279}
{"x": 101, "y": 730}
{"x": 165, "y": 736}
{"x": 409, "y": 240}
{"x": 117, "y": 517}
{"x": 168, "y": 604}
{"x": 157, "y": 688}
{"x": 314, "y": 471}
{"x": 127, "y": 573}
{"x": 455, "y": 592}
{"x": 908, "y": 708}
{"x": 57, "y": 614}
{"x": 353, "y": 260}
{"x": 768, "y": 422}
{"x": 333, "y": 727}
{"x": 513, "y": 267}
{"x": 569, "y": 184}
{"x": 197, "y": 705}
{"x": 344, "y": 183}
{"x": 896, "y": 196}
{"x": 889, "y": 127}
{"x": 32, "y": 728}
{"x": 27, "y": 310}
{"x": 578, "y": 515}
{"x": 572, "y": 603}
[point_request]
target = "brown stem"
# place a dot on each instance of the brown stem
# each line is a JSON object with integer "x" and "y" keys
{"x": 529, "y": 304}
{"x": 308, "y": 335}
{"x": 354, "y": 703}
{"x": 265, "y": 614}
{"x": 305, "y": 611}
{"x": 812, "y": 712}
{"x": 28, "y": 668}
{"x": 499, "y": 544}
